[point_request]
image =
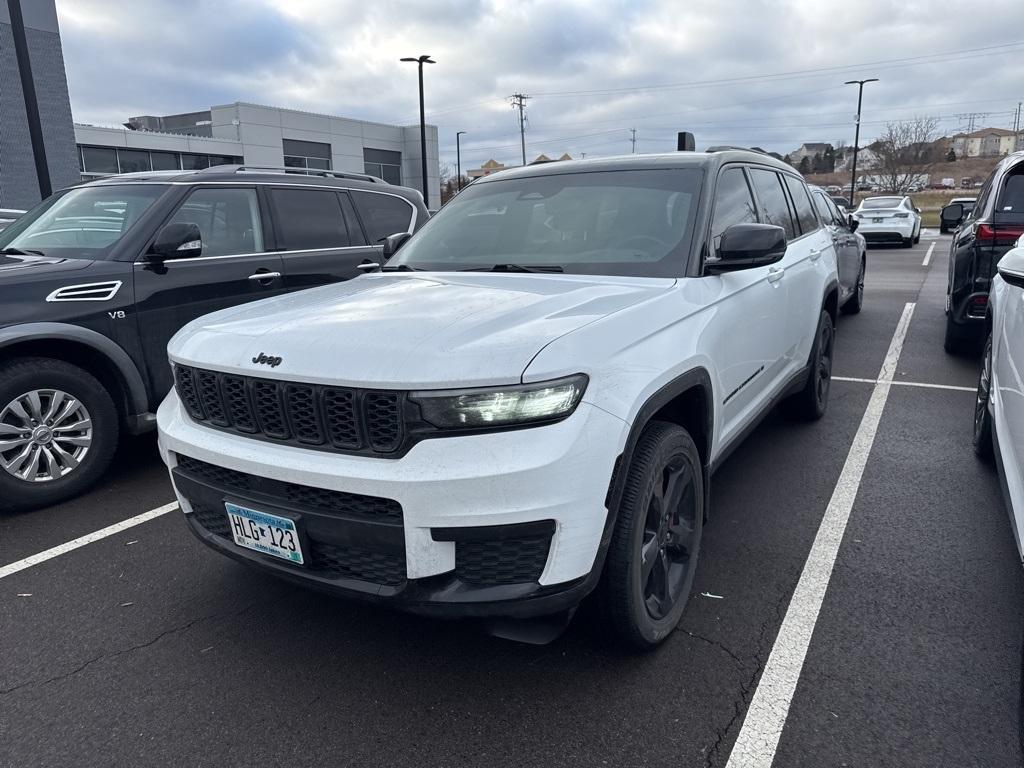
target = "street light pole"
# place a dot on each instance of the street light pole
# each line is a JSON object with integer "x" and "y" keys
{"x": 856, "y": 134}
{"x": 421, "y": 60}
{"x": 458, "y": 162}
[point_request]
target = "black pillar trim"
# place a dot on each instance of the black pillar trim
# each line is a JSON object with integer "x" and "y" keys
{"x": 28, "y": 89}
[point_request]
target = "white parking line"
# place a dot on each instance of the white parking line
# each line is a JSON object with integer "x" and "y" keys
{"x": 906, "y": 384}
{"x": 758, "y": 739}
{"x": 928, "y": 256}
{"x": 81, "y": 541}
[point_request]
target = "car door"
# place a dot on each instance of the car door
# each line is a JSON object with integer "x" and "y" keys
{"x": 231, "y": 268}
{"x": 810, "y": 262}
{"x": 844, "y": 241}
{"x": 1008, "y": 363}
{"x": 750, "y": 310}
{"x": 318, "y": 234}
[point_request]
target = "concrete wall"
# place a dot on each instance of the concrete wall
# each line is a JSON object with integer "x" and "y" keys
{"x": 19, "y": 187}
{"x": 261, "y": 130}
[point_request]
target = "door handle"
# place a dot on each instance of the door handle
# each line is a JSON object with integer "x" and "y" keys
{"x": 261, "y": 276}
{"x": 815, "y": 253}
{"x": 775, "y": 274}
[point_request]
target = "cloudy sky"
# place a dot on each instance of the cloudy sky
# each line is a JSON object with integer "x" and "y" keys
{"x": 747, "y": 72}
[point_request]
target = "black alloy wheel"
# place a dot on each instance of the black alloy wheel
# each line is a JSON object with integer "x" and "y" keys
{"x": 982, "y": 416}
{"x": 652, "y": 557}
{"x": 854, "y": 304}
{"x": 811, "y": 402}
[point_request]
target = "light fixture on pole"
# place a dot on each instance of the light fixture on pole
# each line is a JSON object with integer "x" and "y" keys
{"x": 856, "y": 134}
{"x": 421, "y": 60}
{"x": 458, "y": 162}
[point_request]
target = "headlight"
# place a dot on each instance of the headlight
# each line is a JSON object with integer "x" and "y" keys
{"x": 516, "y": 404}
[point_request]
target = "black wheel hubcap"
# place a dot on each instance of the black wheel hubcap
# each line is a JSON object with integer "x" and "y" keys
{"x": 984, "y": 388}
{"x": 670, "y": 531}
{"x": 824, "y": 362}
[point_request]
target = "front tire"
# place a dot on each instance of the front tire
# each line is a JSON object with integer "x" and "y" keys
{"x": 58, "y": 432}
{"x": 653, "y": 553}
{"x": 982, "y": 415}
{"x": 908, "y": 242}
{"x": 810, "y": 403}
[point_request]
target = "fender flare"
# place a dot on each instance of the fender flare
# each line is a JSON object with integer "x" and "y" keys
{"x": 135, "y": 388}
{"x": 695, "y": 377}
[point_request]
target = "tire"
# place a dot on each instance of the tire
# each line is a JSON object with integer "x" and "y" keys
{"x": 811, "y": 402}
{"x": 855, "y": 303}
{"x": 942, "y": 230}
{"x": 982, "y": 416}
{"x": 908, "y": 242}
{"x": 88, "y": 427}
{"x": 642, "y": 610}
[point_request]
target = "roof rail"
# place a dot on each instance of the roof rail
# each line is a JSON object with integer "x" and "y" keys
{"x": 725, "y": 147}
{"x": 284, "y": 169}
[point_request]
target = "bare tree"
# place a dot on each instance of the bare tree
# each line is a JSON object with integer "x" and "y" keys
{"x": 450, "y": 182}
{"x": 906, "y": 153}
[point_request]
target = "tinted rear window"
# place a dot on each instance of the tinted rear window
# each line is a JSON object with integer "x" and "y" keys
{"x": 881, "y": 202}
{"x": 382, "y": 215}
{"x": 1012, "y": 199}
{"x": 309, "y": 218}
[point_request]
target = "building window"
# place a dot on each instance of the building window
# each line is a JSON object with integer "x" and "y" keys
{"x": 384, "y": 164}
{"x": 307, "y": 154}
{"x": 106, "y": 161}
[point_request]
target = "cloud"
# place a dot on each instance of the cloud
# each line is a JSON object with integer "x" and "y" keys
{"x": 766, "y": 73}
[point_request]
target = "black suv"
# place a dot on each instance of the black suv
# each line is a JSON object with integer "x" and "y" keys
{"x": 989, "y": 231}
{"x": 96, "y": 279}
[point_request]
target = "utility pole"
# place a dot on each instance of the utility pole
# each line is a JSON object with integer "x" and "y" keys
{"x": 633, "y": 140}
{"x": 856, "y": 134}
{"x": 519, "y": 101}
{"x": 458, "y": 161}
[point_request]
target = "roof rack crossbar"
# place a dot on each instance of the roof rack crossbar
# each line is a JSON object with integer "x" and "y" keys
{"x": 285, "y": 169}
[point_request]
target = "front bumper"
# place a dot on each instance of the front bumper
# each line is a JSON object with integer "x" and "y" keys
{"x": 502, "y": 524}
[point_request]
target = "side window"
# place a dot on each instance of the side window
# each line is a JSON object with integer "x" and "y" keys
{"x": 837, "y": 215}
{"x": 382, "y": 215}
{"x": 308, "y": 218}
{"x": 733, "y": 203}
{"x": 1012, "y": 198}
{"x": 228, "y": 219}
{"x": 986, "y": 190}
{"x": 821, "y": 203}
{"x": 804, "y": 211}
{"x": 769, "y": 190}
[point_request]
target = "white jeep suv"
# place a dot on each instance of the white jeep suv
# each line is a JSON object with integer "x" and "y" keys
{"x": 527, "y": 400}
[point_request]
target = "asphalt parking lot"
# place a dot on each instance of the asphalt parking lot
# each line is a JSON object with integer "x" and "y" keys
{"x": 145, "y": 648}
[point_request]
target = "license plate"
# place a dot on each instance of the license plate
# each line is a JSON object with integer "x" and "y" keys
{"x": 263, "y": 532}
{"x": 877, "y": 220}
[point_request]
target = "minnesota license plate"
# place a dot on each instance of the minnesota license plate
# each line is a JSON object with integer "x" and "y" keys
{"x": 263, "y": 532}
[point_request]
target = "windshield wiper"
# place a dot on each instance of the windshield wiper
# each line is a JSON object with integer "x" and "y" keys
{"x": 9, "y": 251}
{"x": 516, "y": 268}
{"x": 399, "y": 268}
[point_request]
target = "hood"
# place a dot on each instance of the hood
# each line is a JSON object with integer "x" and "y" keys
{"x": 407, "y": 331}
{"x": 12, "y": 265}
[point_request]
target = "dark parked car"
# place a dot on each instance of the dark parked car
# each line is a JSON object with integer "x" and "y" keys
{"x": 948, "y": 225}
{"x": 988, "y": 232}
{"x": 842, "y": 202}
{"x": 96, "y": 279}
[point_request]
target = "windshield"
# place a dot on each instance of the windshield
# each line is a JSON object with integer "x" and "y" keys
{"x": 633, "y": 223}
{"x": 881, "y": 202}
{"x": 81, "y": 223}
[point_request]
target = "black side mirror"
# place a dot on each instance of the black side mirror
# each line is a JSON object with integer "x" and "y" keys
{"x": 744, "y": 246}
{"x": 852, "y": 222}
{"x": 953, "y": 212}
{"x": 393, "y": 242}
{"x": 178, "y": 240}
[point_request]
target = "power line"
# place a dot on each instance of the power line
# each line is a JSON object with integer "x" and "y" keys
{"x": 944, "y": 56}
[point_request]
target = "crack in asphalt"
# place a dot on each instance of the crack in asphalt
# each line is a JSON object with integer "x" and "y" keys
{"x": 715, "y": 643}
{"x": 740, "y": 703}
{"x": 121, "y": 652}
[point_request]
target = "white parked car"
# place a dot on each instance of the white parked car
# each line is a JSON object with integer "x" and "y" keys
{"x": 999, "y": 408}
{"x": 533, "y": 393}
{"x": 891, "y": 219}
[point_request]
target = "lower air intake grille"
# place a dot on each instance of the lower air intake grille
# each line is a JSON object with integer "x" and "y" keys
{"x": 502, "y": 561}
